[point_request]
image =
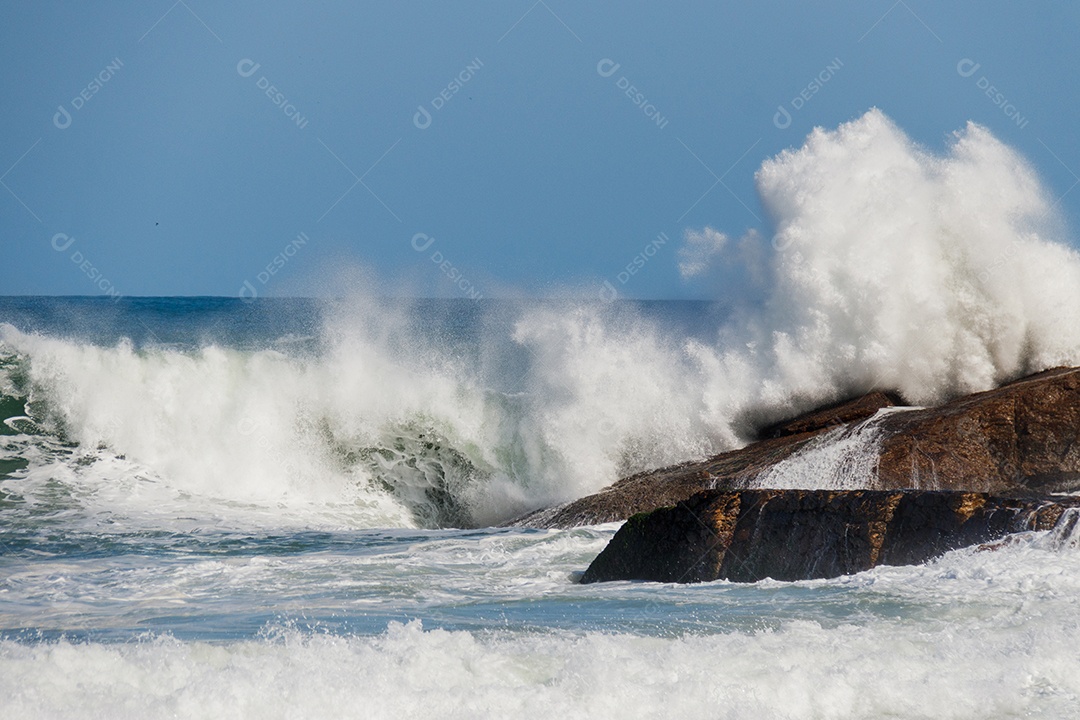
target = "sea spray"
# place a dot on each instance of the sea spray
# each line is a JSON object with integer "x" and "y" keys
{"x": 886, "y": 266}
{"x": 845, "y": 458}
{"x": 262, "y": 427}
{"x": 891, "y": 267}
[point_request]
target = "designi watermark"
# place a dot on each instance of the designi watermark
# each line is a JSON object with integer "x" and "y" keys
{"x": 608, "y": 67}
{"x": 422, "y": 118}
{"x": 967, "y": 68}
{"x": 782, "y": 118}
{"x": 248, "y": 67}
{"x": 63, "y": 118}
{"x": 609, "y": 292}
{"x": 248, "y": 292}
{"x": 62, "y": 242}
{"x": 421, "y": 242}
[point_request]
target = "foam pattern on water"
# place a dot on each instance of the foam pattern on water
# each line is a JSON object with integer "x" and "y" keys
{"x": 973, "y": 634}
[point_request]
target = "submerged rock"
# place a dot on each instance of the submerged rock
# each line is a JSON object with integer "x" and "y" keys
{"x": 1021, "y": 438}
{"x": 749, "y": 535}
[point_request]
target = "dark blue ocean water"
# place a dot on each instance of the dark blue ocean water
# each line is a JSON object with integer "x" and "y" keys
{"x": 254, "y": 324}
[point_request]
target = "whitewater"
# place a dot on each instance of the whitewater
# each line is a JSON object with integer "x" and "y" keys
{"x": 288, "y": 508}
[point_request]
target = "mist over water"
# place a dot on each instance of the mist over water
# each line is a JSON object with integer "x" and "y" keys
{"x": 888, "y": 266}
{"x": 885, "y": 266}
{"x": 437, "y": 414}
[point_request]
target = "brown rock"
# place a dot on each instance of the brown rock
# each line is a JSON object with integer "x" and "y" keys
{"x": 658, "y": 488}
{"x": 1022, "y": 435}
{"x": 1019, "y": 438}
{"x": 749, "y": 535}
{"x": 833, "y": 415}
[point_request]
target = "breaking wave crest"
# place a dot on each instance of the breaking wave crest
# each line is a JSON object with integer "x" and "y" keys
{"x": 885, "y": 266}
{"x": 891, "y": 267}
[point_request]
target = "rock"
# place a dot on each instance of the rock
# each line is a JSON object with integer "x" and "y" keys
{"x": 833, "y": 415}
{"x": 1019, "y": 438}
{"x": 658, "y": 488}
{"x": 749, "y": 535}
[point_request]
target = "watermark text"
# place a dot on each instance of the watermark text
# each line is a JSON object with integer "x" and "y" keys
{"x": 422, "y": 242}
{"x": 423, "y": 117}
{"x": 967, "y": 68}
{"x": 782, "y": 118}
{"x": 62, "y": 242}
{"x": 63, "y": 117}
{"x": 607, "y": 68}
{"x": 248, "y": 67}
{"x": 609, "y": 292}
{"x": 248, "y": 291}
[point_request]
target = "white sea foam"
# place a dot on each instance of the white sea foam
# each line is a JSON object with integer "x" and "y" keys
{"x": 885, "y": 266}
{"x": 972, "y": 634}
{"x": 801, "y": 670}
{"x": 841, "y": 459}
{"x": 889, "y": 266}
{"x": 380, "y": 428}
{"x": 260, "y": 427}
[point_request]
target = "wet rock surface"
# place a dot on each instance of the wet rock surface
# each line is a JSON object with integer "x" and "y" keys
{"x": 1019, "y": 439}
{"x": 749, "y": 535}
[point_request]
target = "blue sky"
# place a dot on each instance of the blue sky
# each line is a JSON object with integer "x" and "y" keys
{"x": 143, "y": 150}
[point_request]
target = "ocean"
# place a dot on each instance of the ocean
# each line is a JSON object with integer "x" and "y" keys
{"x": 210, "y": 508}
{"x": 294, "y": 508}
